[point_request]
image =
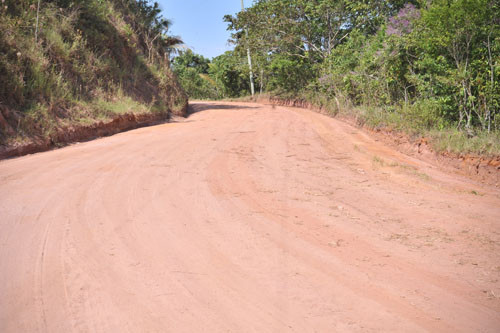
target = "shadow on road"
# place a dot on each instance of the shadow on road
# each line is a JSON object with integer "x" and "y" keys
{"x": 198, "y": 107}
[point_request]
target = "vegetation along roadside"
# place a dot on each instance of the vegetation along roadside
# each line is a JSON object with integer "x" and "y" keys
{"x": 426, "y": 68}
{"x": 77, "y": 66}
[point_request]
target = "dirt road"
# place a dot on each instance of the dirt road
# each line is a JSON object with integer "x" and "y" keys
{"x": 244, "y": 218}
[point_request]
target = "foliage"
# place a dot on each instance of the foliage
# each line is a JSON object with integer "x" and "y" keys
{"x": 432, "y": 64}
{"x": 225, "y": 76}
{"x": 192, "y": 72}
{"x": 85, "y": 51}
{"x": 231, "y": 74}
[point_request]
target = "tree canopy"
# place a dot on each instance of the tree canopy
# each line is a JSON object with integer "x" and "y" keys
{"x": 438, "y": 60}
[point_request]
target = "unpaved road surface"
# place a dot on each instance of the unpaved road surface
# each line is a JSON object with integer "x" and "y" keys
{"x": 244, "y": 218}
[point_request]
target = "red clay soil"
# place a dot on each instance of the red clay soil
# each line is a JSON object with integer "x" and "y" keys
{"x": 482, "y": 168}
{"x": 245, "y": 217}
{"x": 77, "y": 133}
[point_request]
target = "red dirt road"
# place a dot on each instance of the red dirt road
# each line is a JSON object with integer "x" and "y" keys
{"x": 244, "y": 217}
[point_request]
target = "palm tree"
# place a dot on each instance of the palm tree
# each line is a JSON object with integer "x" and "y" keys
{"x": 166, "y": 43}
{"x": 172, "y": 45}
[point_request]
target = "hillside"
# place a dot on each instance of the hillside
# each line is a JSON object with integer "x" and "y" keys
{"x": 68, "y": 66}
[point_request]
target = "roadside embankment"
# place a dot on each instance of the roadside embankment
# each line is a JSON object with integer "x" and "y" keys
{"x": 71, "y": 134}
{"x": 84, "y": 71}
{"x": 484, "y": 168}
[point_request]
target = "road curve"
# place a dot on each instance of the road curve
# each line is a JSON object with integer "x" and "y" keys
{"x": 244, "y": 218}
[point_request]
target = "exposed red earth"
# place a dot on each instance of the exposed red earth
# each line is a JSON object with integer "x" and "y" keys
{"x": 64, "y": 135}
{"x": 245, "y": 217}
{"x": 483, "y": 168}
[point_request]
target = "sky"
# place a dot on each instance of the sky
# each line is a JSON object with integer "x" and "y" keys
{"x": 200, "y": 23}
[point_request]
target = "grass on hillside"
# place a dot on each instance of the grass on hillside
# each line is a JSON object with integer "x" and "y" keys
{"x": 86, "y": 66}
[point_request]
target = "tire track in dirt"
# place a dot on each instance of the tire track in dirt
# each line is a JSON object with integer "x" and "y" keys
{"x": 244, "y": 217}
{"x": 254, "y": 199}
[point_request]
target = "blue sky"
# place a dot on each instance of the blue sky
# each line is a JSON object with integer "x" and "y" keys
{"x": 200, "y": 24}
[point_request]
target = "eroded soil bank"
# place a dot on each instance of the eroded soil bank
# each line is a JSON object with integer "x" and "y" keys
{"x": 78, "y": 133}
{"x": 483, "y": 168}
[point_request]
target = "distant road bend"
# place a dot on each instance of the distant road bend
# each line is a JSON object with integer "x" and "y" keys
{"x": 244, "y": 218}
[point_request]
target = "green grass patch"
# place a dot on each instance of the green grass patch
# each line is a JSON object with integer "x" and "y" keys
{"x": 119, "y": 106}
{"x": 454, "y": 141}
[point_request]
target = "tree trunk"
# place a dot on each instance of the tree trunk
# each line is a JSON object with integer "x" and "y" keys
{"x": 37, "y": 15}
{"x": 492, "y": 80}
{"x": 261, "y": 80}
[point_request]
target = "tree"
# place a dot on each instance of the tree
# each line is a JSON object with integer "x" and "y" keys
{"x": 230, "y": 72}
{"x": 453, "y": 40}
{"x": 193, "y": 73}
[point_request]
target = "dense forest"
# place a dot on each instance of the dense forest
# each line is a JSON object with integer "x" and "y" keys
{"x": 75, "y": 62}
{"x": 424, "y": 67}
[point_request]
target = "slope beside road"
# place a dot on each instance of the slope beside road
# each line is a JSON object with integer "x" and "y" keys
{"x": 244, "y": 217}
